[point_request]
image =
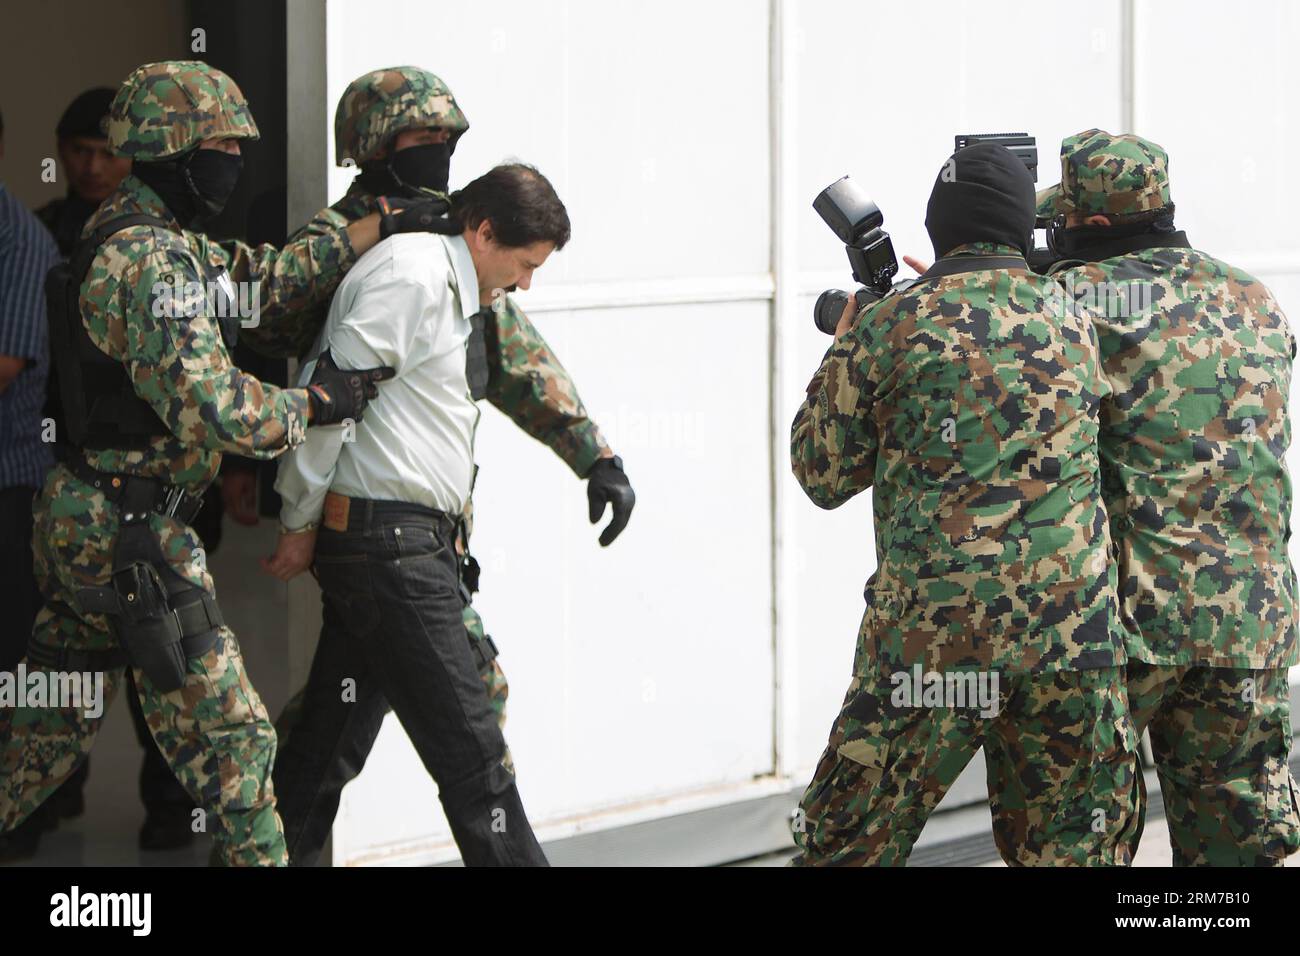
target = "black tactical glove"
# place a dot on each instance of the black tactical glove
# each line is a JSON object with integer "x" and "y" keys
{"x": 337, "y": 395}
{"x": 606, "y": 483}
{"x": 416, "y": 215}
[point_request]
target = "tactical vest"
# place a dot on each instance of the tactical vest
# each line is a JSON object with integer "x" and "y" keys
{"x": 100, "y": 407}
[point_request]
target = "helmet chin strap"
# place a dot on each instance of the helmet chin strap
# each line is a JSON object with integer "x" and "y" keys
{"x": 203, "y": 206}
{"x": 380, "y": 179}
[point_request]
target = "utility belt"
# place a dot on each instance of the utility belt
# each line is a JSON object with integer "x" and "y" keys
{"x": 136, "y": 495}
{"x": 161, "y": 619}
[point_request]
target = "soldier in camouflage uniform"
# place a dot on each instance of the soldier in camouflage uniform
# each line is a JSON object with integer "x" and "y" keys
{"x": 400, "y": 126}
{"x": 1193, "y": 440}
{"x": 179, "y": 403}
{"x": 972, "y": 407}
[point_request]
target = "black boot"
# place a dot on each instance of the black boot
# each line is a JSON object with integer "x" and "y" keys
{"x": 166, "y": 828}
{"x": 22, "y": 842}
{"x": 69, "y": 801}
{"x": 168, "y": 808}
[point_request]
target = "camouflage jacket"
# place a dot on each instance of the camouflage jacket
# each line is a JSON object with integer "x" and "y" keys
{"x": 178, "y": 362}
{"x": 1193, "y": 440}
{"x": 526, "y": 380}
{"x": 971, "y": 404}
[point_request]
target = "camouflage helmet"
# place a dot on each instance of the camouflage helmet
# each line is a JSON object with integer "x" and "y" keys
{"x": 164, "y": 109}
{"x": 1109, "y": 175}
{"x": 376, "y": 107}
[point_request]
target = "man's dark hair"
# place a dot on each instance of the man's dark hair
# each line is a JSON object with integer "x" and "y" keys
{"x": 519, "y": 203}
{"x": 86, "y": 114}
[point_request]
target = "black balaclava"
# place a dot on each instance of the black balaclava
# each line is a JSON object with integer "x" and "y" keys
{"x": 982, "y": 194}
{"x": 409, "y": 172}
{"x": 427, "y": 166}
{"x": 195, "y": 185}
{"x": 1093, "y": 243}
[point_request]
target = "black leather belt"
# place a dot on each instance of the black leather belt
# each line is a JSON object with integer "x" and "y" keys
{"x": 171, "y": 501}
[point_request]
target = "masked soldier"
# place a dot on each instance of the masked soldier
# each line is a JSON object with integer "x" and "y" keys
{"x": 972, "y": 408}
{"x": 142, "y": 323}
{"x": 1193, "y": 440}
{"x": 93, "y": 173}
{"x": 400, "y": 126}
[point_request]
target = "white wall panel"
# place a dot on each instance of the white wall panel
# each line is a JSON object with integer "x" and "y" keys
{"x": 889, "y": 119}
{"x": 650, "y": 119}
{"x": 1221, "y": 99}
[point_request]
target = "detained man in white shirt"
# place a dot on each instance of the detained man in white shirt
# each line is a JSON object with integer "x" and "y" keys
{"x": 387, "y": 494}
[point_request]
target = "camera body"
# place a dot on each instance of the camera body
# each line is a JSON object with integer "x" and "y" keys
{"x": 856, "y": 220}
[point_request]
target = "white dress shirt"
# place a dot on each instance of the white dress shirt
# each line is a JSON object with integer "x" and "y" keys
{"x": 406, "y": 303}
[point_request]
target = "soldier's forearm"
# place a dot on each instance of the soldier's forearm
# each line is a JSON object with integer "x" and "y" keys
{"x": 812, "y": 467}
{"x": 228, "y": 427}
{"x": 364, "y": 233}
{"x": 528, "y": 383}
{"x": 832, "y": 439}
{"x": 574, "y": 437}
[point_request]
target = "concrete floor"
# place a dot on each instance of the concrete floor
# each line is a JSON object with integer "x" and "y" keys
{"x": 1153, "y": 851}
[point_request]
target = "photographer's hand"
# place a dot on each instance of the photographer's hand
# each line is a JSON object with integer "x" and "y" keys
{"x": 846, "y": 317}
{"x": 917, "y": 264}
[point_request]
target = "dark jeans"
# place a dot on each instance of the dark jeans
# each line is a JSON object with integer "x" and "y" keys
{"x": 393, "y": 625}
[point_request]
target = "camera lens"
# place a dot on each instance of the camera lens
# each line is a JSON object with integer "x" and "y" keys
{"x": 829, "y": 308}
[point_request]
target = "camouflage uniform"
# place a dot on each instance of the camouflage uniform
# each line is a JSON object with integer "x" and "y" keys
{"x": 1193, "y": 441}
{"x": 971, "y": 407}
{"x": 526, "y": 380}
{"x": 214, "y": 729}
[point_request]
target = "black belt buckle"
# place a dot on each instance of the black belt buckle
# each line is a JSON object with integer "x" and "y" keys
{"x": 180, "y": 504}
{"x": 173, "y": 496}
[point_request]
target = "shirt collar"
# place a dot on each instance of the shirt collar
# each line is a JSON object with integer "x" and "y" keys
{"x": 466, "y": 276}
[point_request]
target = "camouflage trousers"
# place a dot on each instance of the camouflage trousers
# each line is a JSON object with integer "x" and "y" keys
{"x": 1061, "y": 753}
{"x": 1221, "y": 738}
{"x": 213, "y": 730}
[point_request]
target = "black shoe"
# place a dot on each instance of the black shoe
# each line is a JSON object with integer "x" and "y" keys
{"x": 22, "y": 842}
{"x": 166, "y": 829}
{"x": 67, "y": 803}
